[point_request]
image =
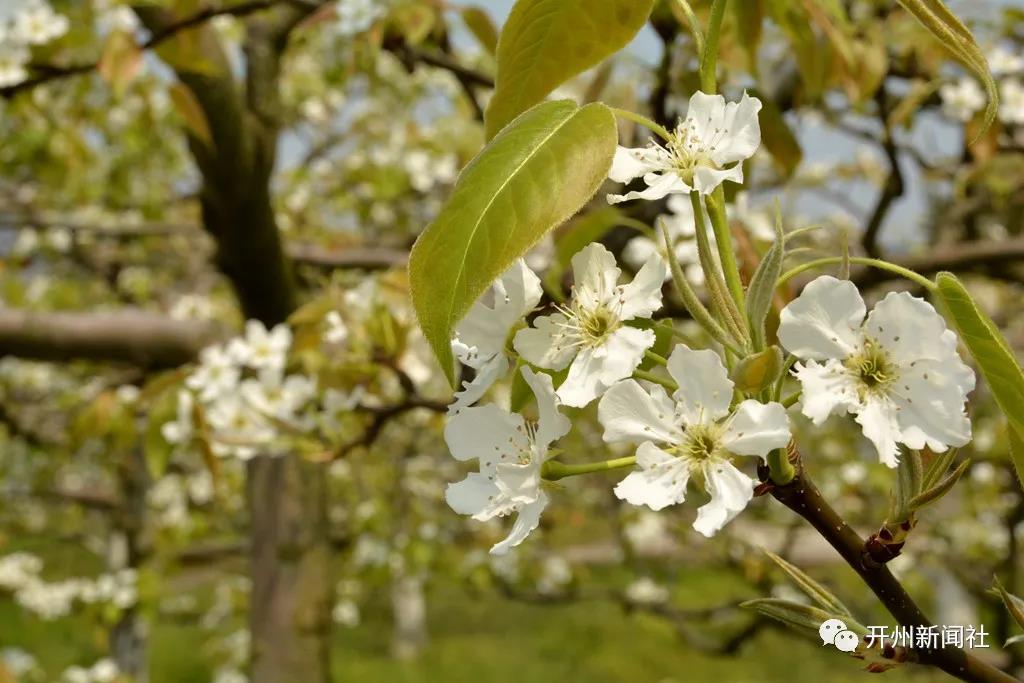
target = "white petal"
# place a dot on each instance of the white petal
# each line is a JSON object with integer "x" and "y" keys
{"x": 931, "y": 406}
{"x": 629, "y": 164}
{"x": 730, "y": 491}
{"x": 706, "y": 179}
{"x": 877, "y": 418}
{"x": 705, "y": 390}
{"x": 595, "y": 275}
{"x": 824, "y": 321}
{"x": 526, "y": 521}
{"x": 628, "y": 412}
{"x": 639, "y": 251}
{"x": 659, "y": 185}
{"x": 757, "y": 428}
{"x": 485, "y": 432}
{"x": 551, "y": 424}
{"x": 659, "y": 480}
{"x": 742, "y": 134}
{"x": 909, "y": 328}
{"x": 518, "y": 483}
{"x": 486, "y": 375}
{"x": 595, "y": 369}
{"x": 642, "y": 296}
{"x": 489, "y": 320}
{"x": 827, "y": 388}
{"x": 545, "y": 345}
{"x": 471, "y": 496}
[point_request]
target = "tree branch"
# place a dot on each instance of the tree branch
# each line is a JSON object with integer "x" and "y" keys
{"x": 802, "y": 497}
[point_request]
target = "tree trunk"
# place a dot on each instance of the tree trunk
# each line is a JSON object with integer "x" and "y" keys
{"x": 290, "y": 604}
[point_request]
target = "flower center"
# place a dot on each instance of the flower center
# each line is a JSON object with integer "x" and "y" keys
{"x": 688, "y": 150}
{"x": 588, "y": 327}
{"x": 872, "y": 366}
{"x": 702, "y": 442}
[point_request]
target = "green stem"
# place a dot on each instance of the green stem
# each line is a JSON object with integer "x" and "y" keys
{"x": 726, "y": 249}
{"x": 553, "y": 470}
{"x": 782, "y": 470}
{"x": 651, "y": 377}
{"x": 861, "y": 261}
{"x": 791, "y": 399}
{"x": 720, "y": 298}
{"x": 651, "y": 355}
{"x": 690, "y": 299}
{"x": 709, "y": 60}
{"x": 643, "y": 121}
{"x": 692, "y": 24}
{"x": 639, "y": 226}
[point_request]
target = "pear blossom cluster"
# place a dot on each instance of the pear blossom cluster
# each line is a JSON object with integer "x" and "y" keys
{"x": 24, "y": 24}
{"x": 896, "y": 370}
{"x": 21, "y": 575}
{"x": 357, "y": 16}
{"x": 102, "y": 671}
{"x": 964, "y": 98}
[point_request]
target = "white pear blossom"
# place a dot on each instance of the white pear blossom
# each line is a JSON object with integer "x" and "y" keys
{"x": 646, "y": 591}
{"x": 180, "y": 430}
{"x": 238, "y": 430}
{"x": 1011, "y": 102}
{"x": 681, "y": 231}
{"x": 706, "y": 148}
{"x": 261, "y": 348}
{"x": 480, "y": 339}
{"x": 337, "y": 331}
{"x": 274, "y": 395}
{"x": 897, "y": 370}
{"x": 962, "y": 100}
{"x": 589, "y": 336}
{"x": 37, "y": 24}
{"x": 692, "y": 434}
{"x": 217, "y": 374}
{"x": 1004, "y": 62}
{"x": 356, "y": 16}
{"x": 510, "y": 451}
{"x": 13, "y": 61}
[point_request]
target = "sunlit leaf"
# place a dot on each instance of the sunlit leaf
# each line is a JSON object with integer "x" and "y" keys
{"x": 187, "y": 106}
{"x": 546, "y": 42}
{"x": 533, "y": 176}
{"x": 480, "y": 25}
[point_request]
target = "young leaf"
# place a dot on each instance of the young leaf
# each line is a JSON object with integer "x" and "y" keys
{"x": 994, "y": 357}
{"x": 956, "y": 38}
{"x": 814, "y": 590}
{"x": 480, "y": 25}
{"x": 801, "y": 617}
{"x": 533, "y": 176}
{"x": 1014, "y": 605}
{"x": 762, "y": 284}
{"x": 1017, "y": 452}
{"x": 546, "y": 42}
{"x": 941, "y": 488}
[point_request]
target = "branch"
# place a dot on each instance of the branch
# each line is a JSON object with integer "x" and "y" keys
{"x": 955, "y": 257}
{"x": 802, "y": 497}
{"x": 137, "y": 337}
{"x": 52, "y": 72}
{"x": 893, "y": 188}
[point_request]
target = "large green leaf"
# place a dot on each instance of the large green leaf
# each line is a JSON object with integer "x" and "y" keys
{"x": 956, "y": 38}
{"x": 999, "y": 366}
{"x": 533, "y": 176}
{"x": 546, "y": 42}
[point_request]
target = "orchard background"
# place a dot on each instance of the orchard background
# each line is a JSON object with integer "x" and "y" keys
{"x": 222, "y": 430}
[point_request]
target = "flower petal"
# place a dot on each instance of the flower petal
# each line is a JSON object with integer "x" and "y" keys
{"x": 485, "y": 432}
{"x": 595, "y": 275}
{"x": 757, "y": 428}
{"x": 545, "y": 344}
{"x": 486, "y": 375}
{"x": 597, "y": 368}
{"x": 824, "y": 321}
{"x": 509, "y": 299}
{"x": 659, "y": 185}
{"x": 642, "y": 297}
{"x": 741, "y": 134}
{"x": 931, "y": 407}
{"x": 705, "y": 390}
{"x": 706, "y": 179}
{"x": 526, "y": 521}
{"x": 631, "y": 163}
{"x": 659, "y": 480}
{"x": 827, "y": 388}
{"x": 628, "y": 412}
{"x": 877, "y": 418}
{"x": 909, "y": 328}
{"x": 473, "y": 495}
{"x": 730, "y": 491}
{"x": 551, "y": 424}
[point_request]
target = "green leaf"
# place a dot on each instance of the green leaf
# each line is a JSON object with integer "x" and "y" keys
{"x": 480, "y": 25}
{"x": 996, "y": 361}
{"x": 801, "y": 617}
{"x": 814, "y": 590}
{"x": 546, "y": 42}
{"x": 533, "y": 176}
{"x": 957, "y": 38}
{"x": 941, "y": 488}
{"x": 1014, "y": 605}
{"x": 187, "y": 106}
{"x": 1017, "y": 453}
{"x": 763, "y": 282}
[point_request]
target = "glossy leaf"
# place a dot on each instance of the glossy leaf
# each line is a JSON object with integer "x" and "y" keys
{"x": 533, "y": 176}
{"x": 546, "y": 42}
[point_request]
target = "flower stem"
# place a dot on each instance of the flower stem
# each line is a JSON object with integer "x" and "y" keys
{"x": 657, "y": 379}
{"x": 709, "y": 58}
{"x": 553, "y": 470}
{"x": 726, "y": 251}
{"x": 690, "y": 299}
{"x": 720, "y": 298}
{"x": 917, "y": 278}
{"x": 691, "y": 24}
{"x": 651, "y": 355}
{"x": 791, "y": 399}
{"x": 782, "y": 470}
{"x": 643, "y": 121}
